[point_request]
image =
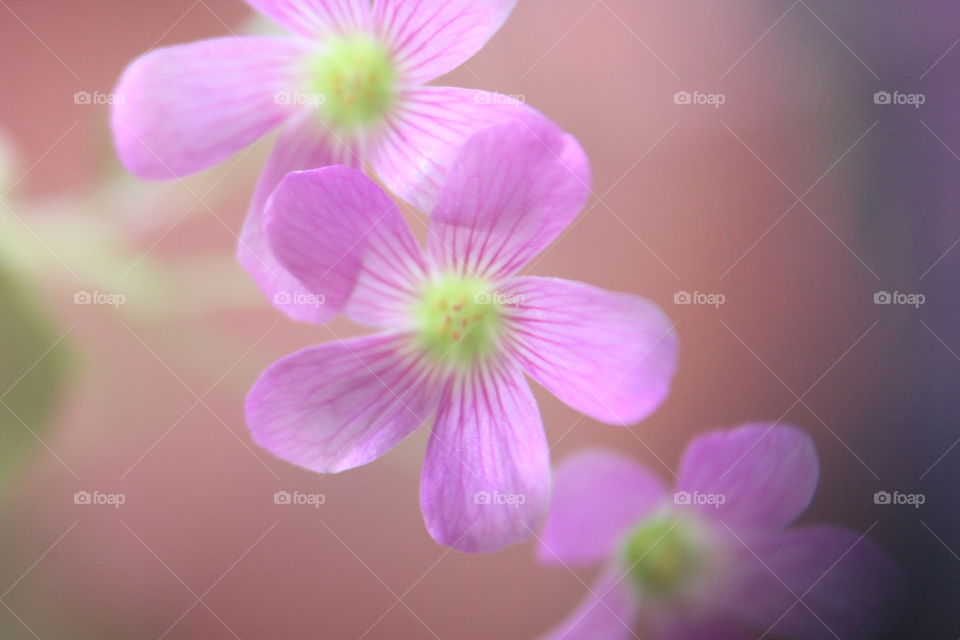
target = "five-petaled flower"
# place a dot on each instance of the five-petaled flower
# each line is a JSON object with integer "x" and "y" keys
{"x": 348, "y": 84}
{"x": 714, "y": 560}
{"x": 459, "y": 329}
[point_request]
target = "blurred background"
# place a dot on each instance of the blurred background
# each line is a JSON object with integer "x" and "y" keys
{"x": 798, "y": 161}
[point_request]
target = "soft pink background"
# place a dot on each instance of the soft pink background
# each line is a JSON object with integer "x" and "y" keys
{"x": 679, "y": 200}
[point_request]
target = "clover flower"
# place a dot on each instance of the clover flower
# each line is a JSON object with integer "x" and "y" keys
{"x": 459, "y": 328}
{"x": 348, "y": 86}
{"x": 715, "y": 560}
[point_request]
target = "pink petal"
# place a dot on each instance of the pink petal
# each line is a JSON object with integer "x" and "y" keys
{"x": 512, "y": 189}
{"x": 342, "y": 237}
{"x": 427, "y": 130}
{"x": 609, "y": 355}
{"x": 486, "y": 478}
{"x": 340, "y": 405}
{"x": 608, "y": 612}
{"x": 317, "y": 18}
{"x": 185, "y": 108}
{"x": 302, "y": 145}
{"x": 597, "y": 497}
{"x": 844, "y": 579}
{"x": 431, "y": 37}
{"x": 766, "y": 474}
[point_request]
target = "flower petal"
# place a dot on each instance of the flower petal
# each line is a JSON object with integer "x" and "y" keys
{"x": 343, "y": 238}
{"x": 597, "y": 496}
{"x": 766, "y": 474}
{"x": 317, "y": 18}
{"x": 302, "y": 145}
{"x": 429, "y": 127}
{"x": 486, "y": 478}
{"x": 512, "y": 189}
{"x": 184, "y": 108}
{"x": 846, "y": 582}
{"x": 431, "y": 37}
{"x": 342, "y": 404}
{"x": 608, "y": 612}
{"x": 609, "y": 355}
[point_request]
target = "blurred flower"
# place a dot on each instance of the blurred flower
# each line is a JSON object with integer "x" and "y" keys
{"x": 459, "y": 331}
{"x": 347, "y": 83}
{"x": 715, "y": 560}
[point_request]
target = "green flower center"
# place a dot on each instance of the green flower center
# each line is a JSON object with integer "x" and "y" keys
{"x": 356, "y": 81}
{"x": 458, "y": 319}
{"x": 662, "y": 554}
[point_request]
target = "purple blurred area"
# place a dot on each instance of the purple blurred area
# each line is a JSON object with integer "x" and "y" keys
{"x": 799, "y": 199}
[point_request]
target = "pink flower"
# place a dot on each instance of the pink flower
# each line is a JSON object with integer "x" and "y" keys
{"x": 715, "y": 560}
{"x": 459, "y": 329}
{"x": 347, "y": 85}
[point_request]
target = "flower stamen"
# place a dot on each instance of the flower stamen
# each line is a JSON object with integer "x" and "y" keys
{"x": 458, "y": 320}
{"x": 356, "y": 80}
{"x": 662, "y": 554}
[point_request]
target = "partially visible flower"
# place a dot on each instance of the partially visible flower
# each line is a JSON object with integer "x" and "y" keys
{"x": 715, "y": 560}
{"x": 348, "y": 86}
{"x": 459, "y": 329}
